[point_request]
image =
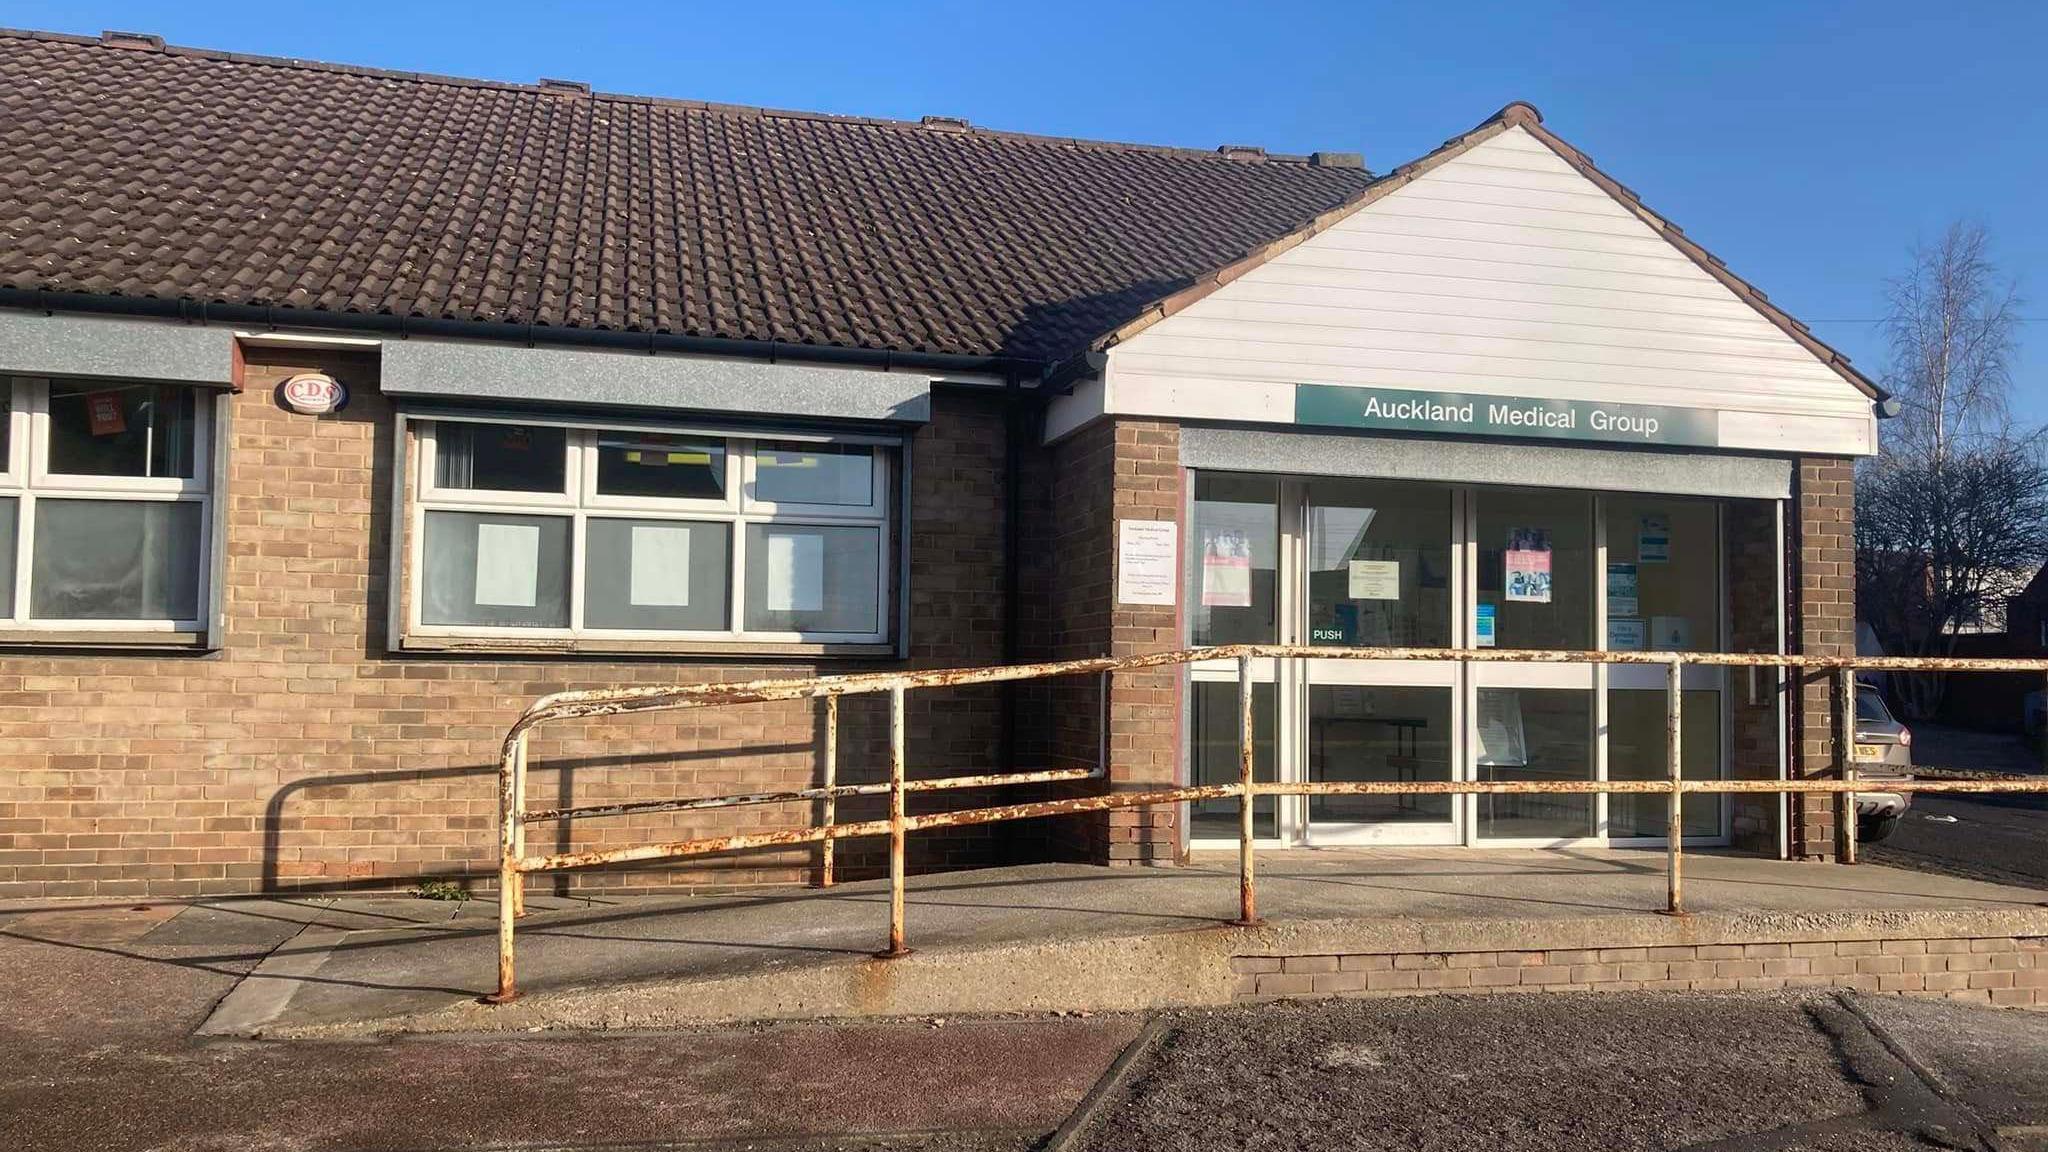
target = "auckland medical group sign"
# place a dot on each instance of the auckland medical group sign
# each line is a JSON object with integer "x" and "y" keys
{"x": 1467, "y": 414}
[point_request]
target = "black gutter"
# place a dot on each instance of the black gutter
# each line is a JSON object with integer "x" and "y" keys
{"x": 532, "y": 335}
{"x": 1060, "y": 377}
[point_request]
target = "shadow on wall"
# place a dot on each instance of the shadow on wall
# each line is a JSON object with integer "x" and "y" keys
{"x": 279, "y": 824}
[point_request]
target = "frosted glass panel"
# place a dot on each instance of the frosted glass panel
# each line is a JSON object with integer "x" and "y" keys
{"x": 656, "y": 574}
{"x": 115, "y": 560}
{"x": 813, "y": 578}
{"x": 505, "y": 571}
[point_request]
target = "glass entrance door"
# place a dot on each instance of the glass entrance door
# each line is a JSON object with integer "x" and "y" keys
{"x": 1533, "y": 556}
{"x": 1341, "y": 563}
{"x": 1381, "y": 571}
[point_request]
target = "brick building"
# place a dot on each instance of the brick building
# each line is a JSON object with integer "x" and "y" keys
{"x": 340, "y": 422}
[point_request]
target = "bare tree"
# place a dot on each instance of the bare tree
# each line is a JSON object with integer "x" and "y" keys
{"x": 1952, "y": 328}
{"x": 1952, "y": 515}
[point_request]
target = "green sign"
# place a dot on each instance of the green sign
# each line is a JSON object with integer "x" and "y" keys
{"x": 1467, "y": 414}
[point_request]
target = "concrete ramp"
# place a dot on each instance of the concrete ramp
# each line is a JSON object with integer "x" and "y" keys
{"x": 1077, "y": 938}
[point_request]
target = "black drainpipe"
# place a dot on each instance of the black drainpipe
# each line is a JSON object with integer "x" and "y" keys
{"x": 1014, "y": 427}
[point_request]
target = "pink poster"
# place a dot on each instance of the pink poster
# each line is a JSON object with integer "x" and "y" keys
{"x": 1528, "y": 566}
{"x": 1226, "y": 569}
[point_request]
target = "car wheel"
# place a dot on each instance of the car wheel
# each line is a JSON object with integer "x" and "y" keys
{"x": 1876, "y": 829}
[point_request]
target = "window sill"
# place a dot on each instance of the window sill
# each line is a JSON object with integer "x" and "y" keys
{"x": 89, "y": 638}
{"x": 557, "y": 646}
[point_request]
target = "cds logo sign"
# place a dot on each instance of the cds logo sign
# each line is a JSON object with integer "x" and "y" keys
{"x": 313, "y": 394}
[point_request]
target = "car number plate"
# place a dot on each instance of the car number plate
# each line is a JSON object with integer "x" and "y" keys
{"x": 1870, "y": 751}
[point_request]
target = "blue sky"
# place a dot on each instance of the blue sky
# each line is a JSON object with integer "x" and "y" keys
{"x": 1808, "y": 144}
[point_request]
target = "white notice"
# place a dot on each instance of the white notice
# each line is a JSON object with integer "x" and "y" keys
{"x": 507, "y": 564}
{"x": 796, "y": 573}
{"x": 1503, "y": 743}
{"x": 1146, "y": 551}
{"x": 661, "y": 566}
{"x": 1375, "y": 579}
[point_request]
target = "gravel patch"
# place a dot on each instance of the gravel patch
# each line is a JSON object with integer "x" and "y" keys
{"x": 1606, "y": 1071}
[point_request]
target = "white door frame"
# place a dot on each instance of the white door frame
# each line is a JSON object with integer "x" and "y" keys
{"x": 1292, "y": 679}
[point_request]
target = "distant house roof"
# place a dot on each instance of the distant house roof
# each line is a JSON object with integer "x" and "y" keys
{"x": 131, "y": 169}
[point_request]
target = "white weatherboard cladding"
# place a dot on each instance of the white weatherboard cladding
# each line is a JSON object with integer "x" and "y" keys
{"x": 1503, "y": 271}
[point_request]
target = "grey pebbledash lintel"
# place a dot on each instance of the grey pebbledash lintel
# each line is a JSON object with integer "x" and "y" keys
{"x": 463, "y": 370}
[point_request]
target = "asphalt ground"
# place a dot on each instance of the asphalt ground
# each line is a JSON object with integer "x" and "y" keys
{"x": 97, "y": 1052}
{"x": 2002, "y": 839}
{"x": 1607, "y": 1071}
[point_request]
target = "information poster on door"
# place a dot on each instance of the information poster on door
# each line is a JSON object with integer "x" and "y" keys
{"x": 1653, "y": 539}
{"x": 1624, "y": 635}
{"x": 1528, "y": 566}
{"x": 1226, "y": 569}
{"x": 1672, "y": 633}
{"x": 1502, "y": 742}
{"x": 1374, "y": 579}
{"x": 1622, "y": 590}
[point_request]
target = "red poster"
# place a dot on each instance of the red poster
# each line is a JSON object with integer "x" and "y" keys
{"x": 103, "y": 409}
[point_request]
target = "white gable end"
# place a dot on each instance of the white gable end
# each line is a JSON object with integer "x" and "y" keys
{"x": 1503, "y": 271}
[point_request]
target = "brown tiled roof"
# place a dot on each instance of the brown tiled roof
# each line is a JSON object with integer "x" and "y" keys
{"x": 204, "y": 176}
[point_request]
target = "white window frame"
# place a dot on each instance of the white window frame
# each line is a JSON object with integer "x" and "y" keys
{"x": 25, "y": 478}
{"x": 580, "y": 502}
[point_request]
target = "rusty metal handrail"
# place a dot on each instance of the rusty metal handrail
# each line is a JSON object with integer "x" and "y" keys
{"x": 514, "y": 863}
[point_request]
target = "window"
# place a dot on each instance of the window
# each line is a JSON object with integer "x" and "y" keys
{"x": 1535, "y": 561}
{"x": 1663, "y": 580}
{"x": 1235, "y": 560}
{"x": 104, "y": 500}
{"x": 1379, "y": 564}
{"x": 650, "y": 535}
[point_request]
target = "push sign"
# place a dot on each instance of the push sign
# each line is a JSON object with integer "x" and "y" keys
{"x": 313, "y": 394}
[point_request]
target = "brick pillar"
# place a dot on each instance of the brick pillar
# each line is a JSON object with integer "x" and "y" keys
{"x": 1823, "y": 539}
{"x": 1144, "y": 714}
{"x": 1104, "y": 473}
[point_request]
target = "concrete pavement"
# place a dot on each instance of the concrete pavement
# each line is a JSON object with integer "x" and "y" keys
{"x": 1047, "y": 937}
{"x": 97, "y": 1052}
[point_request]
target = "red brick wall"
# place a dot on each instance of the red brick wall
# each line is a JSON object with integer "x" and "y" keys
{"x": 303, "y": 754}
{"x": 1824, "y": 538}
{"x": 1110, "y": 471}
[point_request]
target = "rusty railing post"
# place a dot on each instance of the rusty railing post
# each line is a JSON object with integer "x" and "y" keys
{"x": 1674, "y": 751}
{"x": 509, "y": 767}
{"x": 831, "y": 807}
{"x": 896, "y": 832}
{"x": 1247, "y": 894}
{"x": 1845, "y": 758}
{"x": 519, "y": 824}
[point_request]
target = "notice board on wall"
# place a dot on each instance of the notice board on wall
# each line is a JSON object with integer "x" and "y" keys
{"x": 1146, "y": 555}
